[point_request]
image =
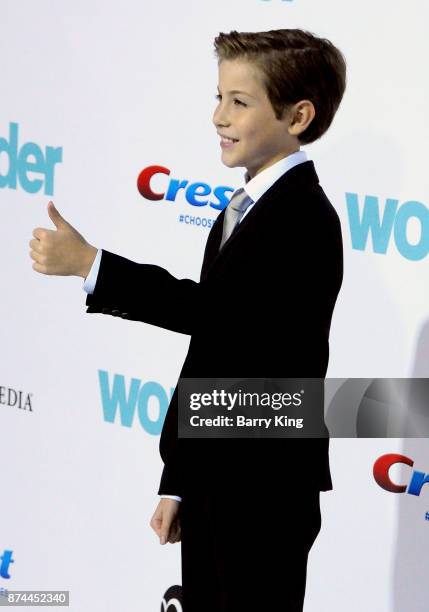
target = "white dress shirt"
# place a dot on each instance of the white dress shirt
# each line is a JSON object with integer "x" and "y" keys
{"x": 254, "y": 188}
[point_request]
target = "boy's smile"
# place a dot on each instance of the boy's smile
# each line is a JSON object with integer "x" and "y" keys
{"x": 244, "y": 113}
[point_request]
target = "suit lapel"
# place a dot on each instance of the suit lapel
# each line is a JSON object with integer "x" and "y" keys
{"x": 300, "y": 176}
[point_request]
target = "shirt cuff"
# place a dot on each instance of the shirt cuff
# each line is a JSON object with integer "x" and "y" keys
{"x": 91, "y": 279}
{"x": 176, "y": 497}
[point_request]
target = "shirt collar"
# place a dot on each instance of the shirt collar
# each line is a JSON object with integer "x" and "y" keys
{"x": 259, "y": 184}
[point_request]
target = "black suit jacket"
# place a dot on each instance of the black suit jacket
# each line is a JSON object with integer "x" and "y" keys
{"x": 262, "y": 308}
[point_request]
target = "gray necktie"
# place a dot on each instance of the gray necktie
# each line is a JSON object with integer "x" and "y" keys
{"x": 236, "y": 208}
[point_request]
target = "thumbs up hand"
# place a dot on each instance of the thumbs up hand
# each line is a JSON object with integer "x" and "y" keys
{"x": 62, "y": 251}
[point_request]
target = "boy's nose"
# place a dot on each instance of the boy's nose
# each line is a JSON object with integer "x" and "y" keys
{"x": 220, "y": 119}
{"x": 219, "y": 125}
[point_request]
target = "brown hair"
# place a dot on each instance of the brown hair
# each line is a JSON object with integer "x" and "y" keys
{"x": 295, "y": 65}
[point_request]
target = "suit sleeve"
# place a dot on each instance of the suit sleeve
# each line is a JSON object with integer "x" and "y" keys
{"x": 170, "y": 483}
{"x": 147, "y": 293}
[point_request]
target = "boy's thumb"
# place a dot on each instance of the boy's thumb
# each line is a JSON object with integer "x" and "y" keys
{"x": 55, "y": 216}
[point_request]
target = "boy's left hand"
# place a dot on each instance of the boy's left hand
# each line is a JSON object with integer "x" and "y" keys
{"x": 166, "y": 522}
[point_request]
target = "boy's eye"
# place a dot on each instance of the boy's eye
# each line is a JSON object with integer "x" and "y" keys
{"x": 219, "y": 96}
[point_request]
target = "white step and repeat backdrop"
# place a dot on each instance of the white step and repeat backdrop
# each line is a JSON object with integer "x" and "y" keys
{"x": 95, "y": 95}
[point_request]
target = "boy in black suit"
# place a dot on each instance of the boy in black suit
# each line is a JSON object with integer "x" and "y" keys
{"x": 246, "y": 510}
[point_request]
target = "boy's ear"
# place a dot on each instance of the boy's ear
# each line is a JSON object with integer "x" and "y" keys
{"x": 301, "y": 115}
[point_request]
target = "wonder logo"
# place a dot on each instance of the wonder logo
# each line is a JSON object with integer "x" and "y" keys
{"x": 29, "y": 166}
{"x": 389, "y": 221}
{"x": 147, "y": 402}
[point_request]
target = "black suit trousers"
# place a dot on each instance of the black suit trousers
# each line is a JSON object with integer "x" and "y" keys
{"x": 247, "y": 553}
